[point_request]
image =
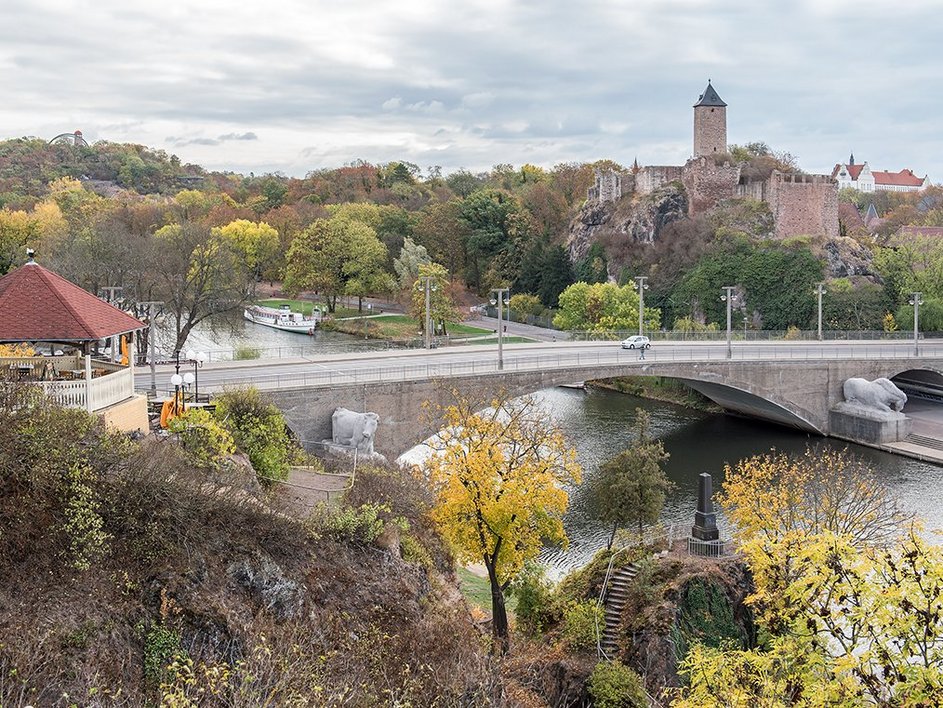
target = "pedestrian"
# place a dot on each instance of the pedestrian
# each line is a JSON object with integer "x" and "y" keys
{"x": 641, "y": 353}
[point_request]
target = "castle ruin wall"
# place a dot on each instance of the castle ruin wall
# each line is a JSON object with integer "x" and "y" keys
{"x": 803, "y": 204}
{"x": 707, "y": 183}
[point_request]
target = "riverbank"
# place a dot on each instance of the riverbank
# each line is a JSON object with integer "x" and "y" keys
{"x": 657, "y": 388}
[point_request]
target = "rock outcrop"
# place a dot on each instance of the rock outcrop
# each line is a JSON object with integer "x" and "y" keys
{"x": 638, "y": 218}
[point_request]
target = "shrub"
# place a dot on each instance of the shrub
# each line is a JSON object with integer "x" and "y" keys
{"x": 161, "y": 649}
{"x": 413, "y": 551}
{"x": 83, "y": 525}
{"x": 534, "y": 596}
{"x": 360, "y": 525}
{"x": 793, "y": 333}
{"x": 244, "y": 353}
{"x": 259, "y": 429}
{"x": 581, "y": 621}
{"x": 614, "y": 685}
{"x": 523, "y": 304}
{"x": 202, "y": 436}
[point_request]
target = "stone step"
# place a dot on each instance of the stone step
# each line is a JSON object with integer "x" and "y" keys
{"x": 924, "y": 441}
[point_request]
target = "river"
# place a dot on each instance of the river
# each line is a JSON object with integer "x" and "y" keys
{"x": 597, "y": 423}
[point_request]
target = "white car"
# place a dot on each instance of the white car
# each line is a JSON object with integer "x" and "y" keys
{"x": 636, "y": 341}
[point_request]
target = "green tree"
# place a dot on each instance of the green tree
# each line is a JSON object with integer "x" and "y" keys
{"x": 411, "y": 256}
{"x": 524, "y": 304}
{"x": 335, "y": 257}
{"x": 602, "y": 307}
{"x": 441, "y": 306}
{"x": 630, "y": 488}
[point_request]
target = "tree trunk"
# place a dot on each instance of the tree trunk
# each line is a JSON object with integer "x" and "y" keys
{"x": 360, "y": 304}
{"x": 499, "y": 613}
{"x": 612, "y": 536}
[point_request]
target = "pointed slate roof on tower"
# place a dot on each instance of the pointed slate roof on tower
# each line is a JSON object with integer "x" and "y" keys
{"x": 709, "y": 97}
{"x": 38, "y": 305}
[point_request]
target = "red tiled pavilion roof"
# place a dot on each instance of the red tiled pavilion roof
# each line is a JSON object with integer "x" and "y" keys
{"x": 38, "y": 305}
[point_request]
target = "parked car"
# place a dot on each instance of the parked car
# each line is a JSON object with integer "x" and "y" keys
{"x": 637, "y": 341}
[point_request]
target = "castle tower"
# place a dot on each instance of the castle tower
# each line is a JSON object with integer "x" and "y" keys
{"x": 710, "y": 123}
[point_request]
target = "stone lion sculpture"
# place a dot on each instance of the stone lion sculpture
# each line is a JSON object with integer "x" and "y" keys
{"x": 880, "y": 394}
{"x": 354, "y": 430}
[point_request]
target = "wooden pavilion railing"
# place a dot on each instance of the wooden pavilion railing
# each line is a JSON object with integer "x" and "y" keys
{"x": 64, "y": 379}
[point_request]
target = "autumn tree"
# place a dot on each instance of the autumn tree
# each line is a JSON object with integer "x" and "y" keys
{"x": 197, "y": 274}
{"x": 850, "y": 599}
{"x": 441, "y": 305}
{"x": 256, "y": 243}
{"x": 630, "y": 488}
{"x": 500, "y": 477}
{"x": 335, "y": 257}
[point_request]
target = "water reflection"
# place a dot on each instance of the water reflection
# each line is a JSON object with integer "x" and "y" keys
{"x": 597, "y": 422}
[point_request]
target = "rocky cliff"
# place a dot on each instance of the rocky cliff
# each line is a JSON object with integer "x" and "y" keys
{"x": 637, "y": 218}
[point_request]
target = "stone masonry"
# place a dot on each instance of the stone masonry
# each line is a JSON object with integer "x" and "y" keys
{"x": 608, "y": 186}
{"x": 801, "y": 204}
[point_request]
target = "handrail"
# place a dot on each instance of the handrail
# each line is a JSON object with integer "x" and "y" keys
{"x": 600, "y": 603}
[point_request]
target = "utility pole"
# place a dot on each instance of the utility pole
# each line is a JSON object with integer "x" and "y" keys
{"x": 820, "y": 291}
{"x": 641, "y": 286}
{"x": 427, "y": 284}
{"x": 916, "y": 302}
{"x": 728, "y": 298}
{"x": 498, "y": 300}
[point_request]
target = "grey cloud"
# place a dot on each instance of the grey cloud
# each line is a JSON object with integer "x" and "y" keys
{"x": 237, "y": 136}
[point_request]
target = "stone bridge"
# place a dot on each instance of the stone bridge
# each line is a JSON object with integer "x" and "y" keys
{"x": 797, "y": 393}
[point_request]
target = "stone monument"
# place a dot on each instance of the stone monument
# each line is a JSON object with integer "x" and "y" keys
{"x": 871, "y": 412}
{"x": 352, "y": 431}
{"x": 705, "y": 519}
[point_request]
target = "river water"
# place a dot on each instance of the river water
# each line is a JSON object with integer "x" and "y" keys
{"x": 597, "y": 423}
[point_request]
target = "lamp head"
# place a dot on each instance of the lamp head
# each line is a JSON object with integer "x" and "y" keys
{"x": 176, "y": 379}
{"x": 201, "y": 357}
{"x": 188, "y": 378}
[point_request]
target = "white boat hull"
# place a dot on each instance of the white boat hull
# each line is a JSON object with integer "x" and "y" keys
{"x": 277, "y": 319}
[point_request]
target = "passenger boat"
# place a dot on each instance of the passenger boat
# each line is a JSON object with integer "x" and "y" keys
{"x": 283, "y": 318}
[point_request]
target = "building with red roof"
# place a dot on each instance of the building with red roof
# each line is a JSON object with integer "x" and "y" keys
{"x": 37, "y": 305}
{"x": 863, "y": 178}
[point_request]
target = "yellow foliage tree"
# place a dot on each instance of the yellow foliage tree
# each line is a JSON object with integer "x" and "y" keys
{"x": 500, "y": 477}
{"x": 867, "y": 630}
{"x": 852, "y": 605}
{"x": 777, "y": 501}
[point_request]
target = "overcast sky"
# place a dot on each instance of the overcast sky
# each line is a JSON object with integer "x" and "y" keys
{"x": 294, "y": 85}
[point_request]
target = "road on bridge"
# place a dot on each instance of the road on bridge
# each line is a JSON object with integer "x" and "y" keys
{"x": 482, "y": 360}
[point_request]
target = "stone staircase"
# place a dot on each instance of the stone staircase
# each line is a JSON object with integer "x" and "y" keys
{"x": 614, "y": 602}
{"x": 924, "y": 441}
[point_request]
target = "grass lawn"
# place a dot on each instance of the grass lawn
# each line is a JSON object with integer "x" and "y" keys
{"x": 397, "y": 327}
{"x": 306, "y": 306}
{"x": 478, "y": 591}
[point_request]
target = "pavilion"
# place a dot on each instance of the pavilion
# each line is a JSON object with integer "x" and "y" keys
{"x": 39, "y": 306}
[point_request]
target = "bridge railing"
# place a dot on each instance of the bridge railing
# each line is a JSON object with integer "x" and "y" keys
{"x": 322, "y": 348}
{"x": 591, "y": 361}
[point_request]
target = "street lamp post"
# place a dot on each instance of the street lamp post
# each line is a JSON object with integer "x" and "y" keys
{"x": 745, "y": 320}
{"x": 820, "y": 291}
{"x": 498, "y": 299}
{"x": 176, "y": 380}
{"x": 188, "y": 379}
{"x": 728, "y": 298}
{"x": 197, "y": 358}
{"x": 916, "y": 302}
{"x": 641, "y": 286}
{"x": 429, "y": 286}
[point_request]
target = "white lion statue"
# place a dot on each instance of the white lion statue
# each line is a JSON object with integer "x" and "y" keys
{"x": 354, "y": 430}
{"x": 880, "y": 394}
